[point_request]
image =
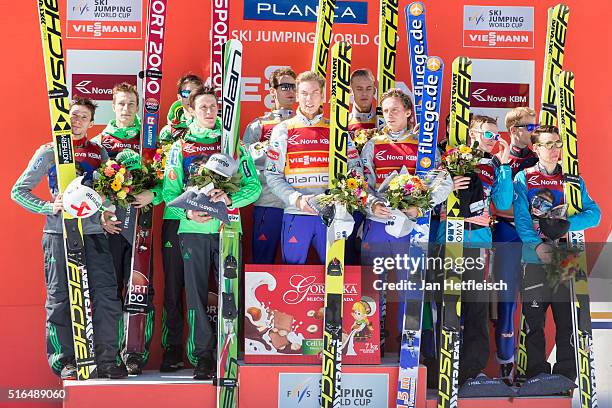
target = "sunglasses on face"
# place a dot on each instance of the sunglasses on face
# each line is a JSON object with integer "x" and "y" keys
{"x": 487, "y": 134}
{"x": 530, "y": 127}
{"x": 286, "y": 87}
{"x": 185, "y": 93}
{"x": 549, "y": 145}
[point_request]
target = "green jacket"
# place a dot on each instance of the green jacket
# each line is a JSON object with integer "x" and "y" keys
{"x": 131, "y": 135}
{"x": 175, "y": 178}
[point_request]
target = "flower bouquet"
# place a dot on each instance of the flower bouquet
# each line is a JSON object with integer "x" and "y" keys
{"x": 362, "y": 137}
{"x": 120, "y": 185}
{"x": 461, "y": 160}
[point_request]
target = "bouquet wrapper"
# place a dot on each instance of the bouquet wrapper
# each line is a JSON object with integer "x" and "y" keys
{"x": 342, "y": 224}
{"x": 399, "y": 225}
{"x": 198, "y": 200}
{"x": 327, "y": 212}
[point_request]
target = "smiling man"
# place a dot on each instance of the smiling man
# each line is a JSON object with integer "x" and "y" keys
{"x": 297, "y": 170}
{"x": 268, "y": 209}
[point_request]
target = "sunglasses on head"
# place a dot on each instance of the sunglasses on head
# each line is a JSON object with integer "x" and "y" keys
{"x": 530, "y": 127}
{"x": 549, "y": 145}
{"x": 286, "y": 87}
{"x": 185, "y": 93}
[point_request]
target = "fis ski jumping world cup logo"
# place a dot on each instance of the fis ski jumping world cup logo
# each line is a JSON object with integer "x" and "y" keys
{"x": 497, "y": 27}
{"x": 116, "y": 19}
{"x": 347, "y": 12}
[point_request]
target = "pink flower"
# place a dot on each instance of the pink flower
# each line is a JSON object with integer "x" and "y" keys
{"x": 157, "y": 157}
{"x": 115, "y": 166}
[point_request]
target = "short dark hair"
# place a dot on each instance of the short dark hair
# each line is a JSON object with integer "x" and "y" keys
{"x": 363, "y": 73}
{"x": 277, "y": 74}
{"x": 481, "y": 120}
{"x": 86, "y": 102}
{"x": 188, "y": 78}
{"x": 203, "y": 90}
{"x": 127, "y": 88}
{"x": 535, "y": 136}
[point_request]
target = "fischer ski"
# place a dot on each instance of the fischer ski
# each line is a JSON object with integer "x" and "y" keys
{"x": 334, "y": 258}
{"x": 229, "y": 238}
{"x": 417, "y": 51}
{"x": 74, "y": 249}
{"x": 448, "y": 381}
{"x": 553, "y": 64}
{"x": 323, "y": 36}
{"x": 413, "y": 301}
{"x": 137, "y": 329}
{"x": 553, "y": 61}
{"x": 579, "y": 286}
{"x": 387, "y": 52}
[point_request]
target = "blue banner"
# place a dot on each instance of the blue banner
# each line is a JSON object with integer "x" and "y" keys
{"x": 347, "y": 12}
{"x": 428, "y": 133}
{"x": 417, "y": 51}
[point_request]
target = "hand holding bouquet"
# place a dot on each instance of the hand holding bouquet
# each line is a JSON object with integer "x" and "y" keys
{"x": 406, "y": 190}
{"x": 120, "y": 185}
{"x": 461, "y": 160}
{"x": 349, "y": 190}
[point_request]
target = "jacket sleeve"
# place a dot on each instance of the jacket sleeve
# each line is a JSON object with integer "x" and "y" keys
{"x": 590, "y": 215}
{"x": 250, "y": 187}
{"x": 275, "y": 167}
{"x": 173, "y": 179}
{"x": 37, "y": 168}
{"x": 502, "y": 191}
{"x": 165, "y": 135}
{"x": 252, "y": 133}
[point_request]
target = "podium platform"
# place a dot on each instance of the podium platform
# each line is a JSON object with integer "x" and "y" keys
{"x": 272, "y": 386}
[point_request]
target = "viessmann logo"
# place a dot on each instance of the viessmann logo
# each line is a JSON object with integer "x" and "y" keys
{"x": 499, "y": 95}
{"x": 98, "y": 86}
{"x": 498, "y": 27}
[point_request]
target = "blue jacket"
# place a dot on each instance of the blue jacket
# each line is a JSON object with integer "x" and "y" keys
{"x": 588, "y": 218}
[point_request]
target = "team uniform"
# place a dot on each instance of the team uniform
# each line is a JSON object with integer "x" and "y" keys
{"x": 508, "y": 267}
{"x": 106, "y": 307}
{"x": 381, "y": 156}
{"x": 172, "y": 258}
{"x": 357, "y": 121}
{"x": 115, "y": 139}
{"x": 496, "y": 182}
{"x": 200, "y": 241}
{"x": 537, "y": 294}
{"x": 296, "y": 165}
{"x": 268, "y": 209}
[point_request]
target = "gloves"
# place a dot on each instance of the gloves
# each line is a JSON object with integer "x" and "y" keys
{"x": 130, "y": 159}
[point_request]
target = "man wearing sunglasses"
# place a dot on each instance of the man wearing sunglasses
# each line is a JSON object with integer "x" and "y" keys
{"x": 492, "y": 185}
{"x": 529, "y": 185}
{"x": 268, "y": 209}
{"x": 520, "y": 122}
{"x": 174, "y": 281}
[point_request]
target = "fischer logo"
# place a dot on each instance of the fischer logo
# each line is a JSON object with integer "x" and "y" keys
{"x": 98, "y": 86}
{"x": 302, "y": 286}
{"x": 499, "y": 95}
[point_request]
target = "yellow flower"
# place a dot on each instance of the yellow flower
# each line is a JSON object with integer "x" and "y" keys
{"x": 116, "y": 185}
{"x": 119, "y": 177}
{"x": 465, "y": 149}
{"x": 122, "y": 170}
{"x": 394, "y": 184}
{"x": 122, "y": 195}
{"x": 351, "y": 183}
